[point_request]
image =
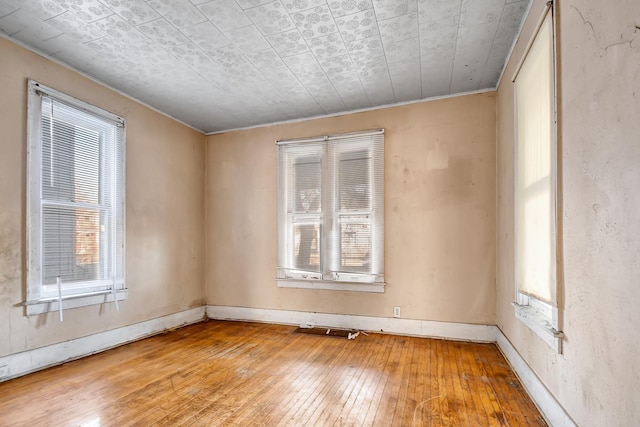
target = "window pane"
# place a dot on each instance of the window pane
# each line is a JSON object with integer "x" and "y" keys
{"x": 355, "y": 181}
{"x": 355, "y": 244}
{"x": 307, "y": 178}
{"x": 70, "y": 162}
{"x": 307, "y": 246}
{"x": 71, "y": 244}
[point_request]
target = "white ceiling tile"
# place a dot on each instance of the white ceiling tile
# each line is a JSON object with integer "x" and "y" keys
{"x": 7, "y": 8}
{"x": 246, "y": 4}
{"x": 21, "y": 26}
{"x": 358, "y": 25}
{"x": 270, "y": 18}
{"x": 40, "y": 9}
{"x": 405, "y": 49}
{"x": 55, "y": 44}
{"x": 75, "y": 27}
{"x": 371, "y": 69}
{"x": 439, "y": 33}
{"x": 474, "y": 12}
{"x": 436, "y": 76}
{"x": 87, "y": 10}
{"x": 472, "y": 51}
{"x": 386, "y": 9}
{"x": 512, "y": 16}
{"x": 406, "y": 79}
{"x": 191, "y": 55}
{"x": 181, "y": 13}
{"x": 247, "y": 39}
{"x": 254, "y": 61}
{"x": 225, "y": 14}
{"x": 328, "y": 99}
{"x": 327, "y": 46}
{"x": 118, "y": 28}
{"x": 303, "y": 64}
{"x": 437, "y": 10}
{"x": 265, "y": 59}
{"x": 363, "y": 49}
{"x": 206, "y": 35}
{"x": 288, "y": 43}
{"x": 315, "y": 22}
{"x": 135, "y": 12}
{"x": 163, "y": 33}
{"x": 232, "y": 59}
{"x": 337, "y": 65}
{"x": 347, "y": 7}
{"x": 399, "y": 28}
{"x": 281, "y": 77}
{"x": 378, "y": 88}
{"x": 298, "y": 5}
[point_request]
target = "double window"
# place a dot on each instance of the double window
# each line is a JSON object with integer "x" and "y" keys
{"x": 75, "y": 202}
{"x": 331, "y": 212}
{"x": 536, "y": 187}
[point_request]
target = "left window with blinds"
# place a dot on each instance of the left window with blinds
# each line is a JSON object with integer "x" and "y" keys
{"x": 75, "y": 203}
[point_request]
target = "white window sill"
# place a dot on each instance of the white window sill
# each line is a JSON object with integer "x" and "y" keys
{"x": 52, "y": 304}
{"x": 540, "y": 324}
{"x": 332, "y": 286}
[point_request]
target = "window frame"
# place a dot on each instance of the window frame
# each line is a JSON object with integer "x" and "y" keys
{"x": 41, "y": 297}
{"x": 543, "y": 318}
{"x": 331, "y": 276}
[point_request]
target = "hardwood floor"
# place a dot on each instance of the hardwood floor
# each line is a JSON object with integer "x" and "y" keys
{"x": 251, "y": 374}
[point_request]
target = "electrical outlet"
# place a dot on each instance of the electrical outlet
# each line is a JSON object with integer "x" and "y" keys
{"x": 4, "y": 371}
{"x": 396, "y": 311}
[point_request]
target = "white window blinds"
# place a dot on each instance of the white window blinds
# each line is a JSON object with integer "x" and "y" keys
{"x": 330, "y": 208}
{"x": 76, "y": 197}
{"x": 536, "y": 170}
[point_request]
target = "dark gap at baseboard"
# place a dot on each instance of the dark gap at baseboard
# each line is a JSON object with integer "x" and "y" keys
{"x": 328, "y": 332}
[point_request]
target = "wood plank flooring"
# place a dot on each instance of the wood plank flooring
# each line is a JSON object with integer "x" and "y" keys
{"x": 249, "y": 374}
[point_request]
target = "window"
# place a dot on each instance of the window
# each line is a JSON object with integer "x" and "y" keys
{"x": 536, "y": 188}
{"x": 75, "y": 203}
{"x": 331, "y": 212}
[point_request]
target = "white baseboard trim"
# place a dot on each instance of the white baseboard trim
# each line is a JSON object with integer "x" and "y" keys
{"x": 553, "y": 413}
{"x": 15, "y": 365}
{"x": 421, "y": 328}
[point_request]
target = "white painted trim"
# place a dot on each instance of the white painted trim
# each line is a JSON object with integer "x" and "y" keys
{"x": 54, "y": 305}
{"x": 421, "y": 328}
{"x": 32, "y": 360}
{"x": 331, "y": 286}
{"x": 551, "y": 410}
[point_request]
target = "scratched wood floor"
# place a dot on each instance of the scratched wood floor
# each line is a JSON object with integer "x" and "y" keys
{"x": 250, "y": 374}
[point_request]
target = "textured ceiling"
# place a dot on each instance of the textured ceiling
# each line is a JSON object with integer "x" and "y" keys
{"x": 225, "y": 64}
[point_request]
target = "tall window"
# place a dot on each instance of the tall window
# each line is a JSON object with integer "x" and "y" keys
{"x": 331, "y": 212}
{"x": 536, "y": 159}
{"x": 75, "y": 199}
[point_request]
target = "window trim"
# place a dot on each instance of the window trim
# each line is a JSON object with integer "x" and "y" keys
{"x": 86, "y": 293}
{"x": 325, "y": 279}
{"x": 541, "y": 317}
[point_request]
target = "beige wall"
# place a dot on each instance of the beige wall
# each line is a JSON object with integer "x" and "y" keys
{"x": 439, "y": 223}
{"x": 597, "y": 377}
{"x": 165, "y": 180}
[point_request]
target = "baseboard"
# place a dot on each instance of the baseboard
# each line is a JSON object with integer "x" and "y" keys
{"x": 15, "y": 365}
{"x": 553, "y": 413}
{"x": 421, "y": 328}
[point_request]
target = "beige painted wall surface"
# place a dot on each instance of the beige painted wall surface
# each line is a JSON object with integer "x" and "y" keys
{"x": 597, "y": 377}
{"x": 165, "y": 176}
{"x": 439, "y": 214}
